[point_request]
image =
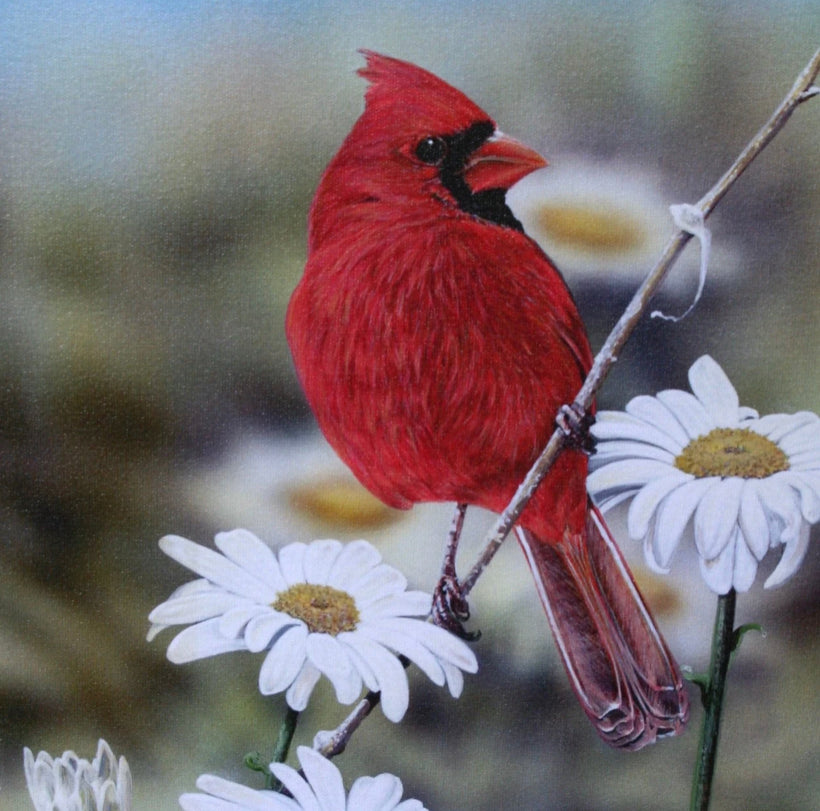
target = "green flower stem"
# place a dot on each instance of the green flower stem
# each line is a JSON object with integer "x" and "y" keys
{"x": 724, "y": 641}
{"x": 280, "y": 753}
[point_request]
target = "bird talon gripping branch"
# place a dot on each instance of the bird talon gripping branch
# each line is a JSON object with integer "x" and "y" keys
{"x": 450, "y": 608}
{"x": 575, "y": 423}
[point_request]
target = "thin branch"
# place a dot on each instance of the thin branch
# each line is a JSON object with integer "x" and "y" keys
{"x": 448, "y": 566}
{"x": 333, "y": 742}
{"x": 801, "y": 91}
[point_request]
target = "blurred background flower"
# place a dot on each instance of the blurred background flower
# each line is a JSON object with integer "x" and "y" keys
{"x": 156, "y": 165}
{"x": 72, "y": 783}
{"x": 605, "y": 224}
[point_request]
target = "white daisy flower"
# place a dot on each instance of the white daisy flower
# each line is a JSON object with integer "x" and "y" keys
{"x": 71, "y": 783}
{"x": 289, "y": 489}
{"x": 744, "y": 483}
{"x": 323, "y": 608}
{"x": 321, "y": 789}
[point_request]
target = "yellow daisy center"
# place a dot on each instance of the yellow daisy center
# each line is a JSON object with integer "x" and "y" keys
{"x": 732, "y": 452}
{"x": 323, "y": 609}
{"x": 590, "y": 228}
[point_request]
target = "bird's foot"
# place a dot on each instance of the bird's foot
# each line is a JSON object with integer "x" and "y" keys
{"x": 575, "y": 424}
{"x": 450, "y": 607}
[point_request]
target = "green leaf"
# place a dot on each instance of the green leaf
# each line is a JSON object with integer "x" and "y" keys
{"x": 702, "y": 682}
{"x": 256, "y": 763}
{"x": 742, "y": 630}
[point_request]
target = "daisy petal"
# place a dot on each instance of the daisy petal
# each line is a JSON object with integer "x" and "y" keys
{"x": 629, "y": 474}
{"x": 380, "y": 581}
{"x": 807, "y": 483}
{"x": 613, "y": 425}
{"x": 719, "y": 571}
{"x": 253, "y": 555}
{"x": 657, "y": 415}
{"x": 716, "y": 517}
{"x": 228, "y": 796}
{"x": 714, "y": 389}
{"x": 324, "y": 778}
{"x": 297, "y": 786}
{"x": 375, "y": 793}
{"x": 646, "y": 502}
{"x": 264, "y": 627}
{"x": 624, "y": 449}
{"x": 319, "y": 559}
{"x": 780, "y": 503}
{"x": 389, "y": 673}
{"x": 443, "y": 644}
{"x": 198, "y": 802}
{"x": 232, "y": 623}
{"x": 407, "y": 646}
{"x": 215, "y": 567}
{"x": 611, "y": 430}
{"x": 200, "y": 641}
{"x": 291, "y": 559}
{"x": 606, "y": 504}
{"x": 802, "y": 442}
{"x": 746, "y": 413}
{"x": 195, "y": 607}
{"x": 300, "y": 690}
{"x": 454, "y": 677}
{"x": 284, "y": 661}
{"x": 356, "y": 557}
{"x": 673, "y": 515}
{"x": 200, "y": 586}
{"x": 805, "y": 460}
{"x": 361, "y": 664}
{"x": 793, "y": 430}
{"x": 408, "y": 604}
{"x": 650, "y": 552}
{"x": 790, "y": 560}
{"x": 753, "y": 522}
{"x": 688, "y": 411}
{"x": 330, "y": 658}
{"x": 745, "y": 567}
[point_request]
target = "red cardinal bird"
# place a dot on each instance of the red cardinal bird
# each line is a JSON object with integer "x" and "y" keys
{"x": 436, "y": 342}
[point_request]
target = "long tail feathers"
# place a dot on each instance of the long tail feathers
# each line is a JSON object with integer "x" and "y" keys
{"x": 625, "y": 678}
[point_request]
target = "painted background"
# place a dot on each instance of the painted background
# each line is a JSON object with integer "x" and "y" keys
{"x": 157, "y": 160}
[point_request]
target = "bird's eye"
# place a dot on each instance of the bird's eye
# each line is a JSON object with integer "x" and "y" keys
{"x": 431, "y": 150}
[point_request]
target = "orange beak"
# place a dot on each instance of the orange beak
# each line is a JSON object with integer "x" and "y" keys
{"x": 500, "y": 162}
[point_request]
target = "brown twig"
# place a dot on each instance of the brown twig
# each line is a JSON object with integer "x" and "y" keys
{"x": 333, "y": 742}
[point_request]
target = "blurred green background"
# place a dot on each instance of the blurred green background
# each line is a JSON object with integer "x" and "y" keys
{"x": 157, "y": 160}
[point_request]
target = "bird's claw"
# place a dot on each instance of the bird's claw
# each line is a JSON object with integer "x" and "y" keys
{"x": 450, "y": 608}
{"x": 575, "y": 424}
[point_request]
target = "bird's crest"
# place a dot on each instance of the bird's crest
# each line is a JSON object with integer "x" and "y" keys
{"x": 407, "y": 90}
